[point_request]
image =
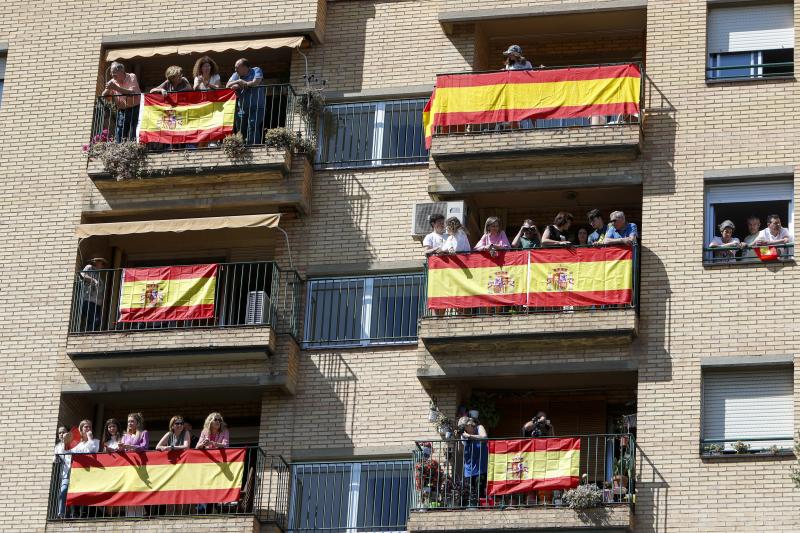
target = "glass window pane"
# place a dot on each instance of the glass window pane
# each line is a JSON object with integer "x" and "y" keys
{"x": 739, "y": 59}
{"x": 335, "y": 310}
{"x": 321, "y": 494}
{"x": 347, "y": 135}
{"x": 403, "y": 135}
{"x": 781, "y": 61}
{"x": 383, "y": 496}
{"x": 396, "y": 303}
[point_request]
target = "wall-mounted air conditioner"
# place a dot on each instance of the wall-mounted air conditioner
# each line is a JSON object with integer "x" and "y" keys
{"x": 419, "y": 220}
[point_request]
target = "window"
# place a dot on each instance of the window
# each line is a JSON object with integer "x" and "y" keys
{"x": 738, "y": 202}
{"x": 363, "y": 311}
{"x": 2, "y": 77}
{"x": 371, "y": 134}
{"x": 751, "y": 405}
{"x": 347, "y": 497}
{"x": 751, "y": 41}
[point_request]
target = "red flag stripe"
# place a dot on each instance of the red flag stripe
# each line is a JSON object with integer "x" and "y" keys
{"x": 538, "y": 76}
{"x": 185, "y": 137}
{"x": 461, "y": 118}
{"x": 173, "y": 272}
{"x": 153, "y": 458}
{"x": 535, "y": 299}
{"x": 479, "y": 260}
{"x": 184, "y": 98}
{"x": 160, "y": 314}
{"x": 161, "y": 497}
{"x": 534, "y": 445}
{"x": 513, "y": 487}
{"x": 539, "y": 255}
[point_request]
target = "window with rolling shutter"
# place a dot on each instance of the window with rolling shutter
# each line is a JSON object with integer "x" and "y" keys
{"x": 755, "y": 406}
{"x": 755, "y": 41}
{"x": 2, "y": 76}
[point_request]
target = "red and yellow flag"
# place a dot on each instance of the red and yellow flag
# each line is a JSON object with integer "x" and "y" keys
{"x": 187, "y": 117}
{"x": 524, "y": 465}
{"x": 156, "y": 478}
{"x": 515, "y": 95}
{"x": 546, "y": 277}
{"x": 168, "y": 293}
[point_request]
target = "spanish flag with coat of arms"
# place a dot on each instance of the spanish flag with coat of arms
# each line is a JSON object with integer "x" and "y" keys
{"x": 188, "y": 117}
{"x": 524, "y": 465}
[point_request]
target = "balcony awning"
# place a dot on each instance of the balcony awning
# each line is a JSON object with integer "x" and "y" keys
{"x": 177, "y": 225}
{"x": 203, "y": 48}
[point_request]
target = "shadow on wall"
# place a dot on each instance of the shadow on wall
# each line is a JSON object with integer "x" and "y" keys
{"x": 660, "y": 129}
{"x": 652, "y": 492}
{"x": 655, "y": 320}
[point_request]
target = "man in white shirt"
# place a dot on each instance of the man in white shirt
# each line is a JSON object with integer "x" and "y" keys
{"x": 774, "y": 233}
{"x": 434, "y": 240}
{"x": 754, "y": 227}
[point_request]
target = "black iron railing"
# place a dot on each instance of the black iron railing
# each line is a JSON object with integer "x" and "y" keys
{"x": 258, "y": 109}
{"x": 747, "y": 445}
{"x": 738, "y": 254}
{"x": 453, "y": 474}
{"x": 751, "y": 71}
{"x": 264, "y": 494}
{"x": 245, "y": 294}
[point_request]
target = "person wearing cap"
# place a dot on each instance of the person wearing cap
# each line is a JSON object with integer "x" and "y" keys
{"x": 527, "y": 236}
{"x": 598, "y": 236}
{"x": 515, "y": 60}
{"x": 727, "y": 241}
{"x": 620, "y": 231}
{"x": 93, "y": 292}
{"x": 434, "y": 240}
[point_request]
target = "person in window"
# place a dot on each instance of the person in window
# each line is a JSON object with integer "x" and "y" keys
{"x": 177, "y": 438}
{"x": 457, "y": 240}
{"x": 598, "y": 236}
{"x": 515, "y": 60}
{"x": 583, "y": 236}
{"x": 476, "y": 459}
{"x": 251, "y": 101}
{"x": 556, "y": 233}
{"x": 527, "y": 236}
{"x": 729, "y": 244}
{"x": 175, "y": 82}
{"x": 620, "y": 231}
{"x": 754, "y": 227}
{"x": 774, "y": 233}
{"x": 538, "y": 426}
{"x": 493, "y": 238}
{"x": 124, "y": 87}
{"x": 434, "y": 240}
{"x": 214, "y": 434}
{"x": 93, "y": 292}
{"x": 206, "y": 75}
{"x": 112, "y": 437}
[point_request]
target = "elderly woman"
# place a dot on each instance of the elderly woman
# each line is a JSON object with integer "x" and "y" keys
{"x": 727, "y": 242}
{"x": 556, "y": 233}
{"x": 175, "y": 82}
{"x": 124, "y": 88}
{"x": 206, "y": 75}
{"x": 493, "y": 237}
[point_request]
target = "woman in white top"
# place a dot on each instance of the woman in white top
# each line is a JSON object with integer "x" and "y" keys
{"x": 206, "y": 75}
{"x": 112, "y": 437}
{"x": 457, "y": 240}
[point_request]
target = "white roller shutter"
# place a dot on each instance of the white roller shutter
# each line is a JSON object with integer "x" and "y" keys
{"x": 749, "y": 403}
{"x": 750, "y": 28}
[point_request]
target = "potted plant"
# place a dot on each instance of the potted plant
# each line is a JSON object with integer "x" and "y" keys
{"x": 622, "y": 471}
{"x": 741, "y": 447}
{"x": 583, "y": 497}
{"x": 434, "y": 412}
{"x": 444, "y": 426}
{"x": 774, "y": 449}
{"x": 714, "y": 449}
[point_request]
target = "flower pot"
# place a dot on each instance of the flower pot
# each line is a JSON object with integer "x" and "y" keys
{"x": 432, "y": 415}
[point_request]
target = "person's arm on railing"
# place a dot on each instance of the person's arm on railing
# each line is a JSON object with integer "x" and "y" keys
{"x": 547, "y": 241}
{"x": 162, "y": 444}
{"x": 161, "y": 89}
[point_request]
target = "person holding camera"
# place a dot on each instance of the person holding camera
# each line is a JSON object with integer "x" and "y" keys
{"x": 538, "y": 426}
{"x": 476, "y": 459}
{"x": 515, "y": 60}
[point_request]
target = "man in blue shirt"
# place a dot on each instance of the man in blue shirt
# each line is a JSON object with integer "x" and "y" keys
{"x": 598, "y": 236}
{"x": 250, "y": 102}
{"x": 619, "y": 231}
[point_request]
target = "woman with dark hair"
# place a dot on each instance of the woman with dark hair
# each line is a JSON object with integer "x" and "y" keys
{"x": 206, "y": 75}
{"x": 112, "y": 438}
{"x": 583, "y": 236}
{"x": 556, "y": 233}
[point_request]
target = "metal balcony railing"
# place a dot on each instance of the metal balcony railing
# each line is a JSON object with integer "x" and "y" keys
{"x": 452, "y": 474}
{"x": 751, "y": 71}
{"x": 264, "y": 495}
{"x": 246, "y": 294}
{"x": 552, "y": 123}
{"x": 736, "y": 255}
{"x": 258, "y": 109}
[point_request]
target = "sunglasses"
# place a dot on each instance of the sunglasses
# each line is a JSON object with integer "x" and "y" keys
{"x": 178, "y": 422}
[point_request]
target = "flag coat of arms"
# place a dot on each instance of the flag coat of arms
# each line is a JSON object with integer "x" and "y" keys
{"x": 524, "y": 465}
{"x": 156, "y": 478}
{"x": 187, "y": 117}
{"x": 168, "y": 293}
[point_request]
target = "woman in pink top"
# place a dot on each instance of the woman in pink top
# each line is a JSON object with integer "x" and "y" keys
{"x": 136, "y": 438}
{"x": 214, "y": 434}
{"x": 493, "y": 237}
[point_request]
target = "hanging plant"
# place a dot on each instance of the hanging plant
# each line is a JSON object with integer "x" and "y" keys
{"x": 123, "y": 161}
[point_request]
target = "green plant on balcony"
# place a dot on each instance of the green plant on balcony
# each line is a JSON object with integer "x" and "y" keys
{"x": 310, "y": 106}
{"x": 123, "y": 161}
{"x": 796, "y": 469}
{"x": 583, "y": 496}
{"x": 713, "y": 449}
{"x": 234, "y": 147}
{"x": 741, "y": 447}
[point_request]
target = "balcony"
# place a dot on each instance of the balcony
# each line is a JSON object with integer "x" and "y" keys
{"x": 513, "y": 492}
{"x": 567, "y": 310}
{"x": 245, "y": 307}
{"x": 262, "y": 496}
{"x": 184, "y": 169}
{"x": 548, "y": 117}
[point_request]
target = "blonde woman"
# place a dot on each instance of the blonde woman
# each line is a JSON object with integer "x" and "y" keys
{"x": 206, "y": 75}
{"x": 493, "y": 238}
{"x": 177, "y": 438}
{"x": 214, "y": 434}
{"x": 175, "y": 82}
{"x": 136, "y": 438}
{"x": 457, "y": 240}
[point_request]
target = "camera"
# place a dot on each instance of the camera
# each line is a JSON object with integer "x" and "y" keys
{"x": 541, "y": 426}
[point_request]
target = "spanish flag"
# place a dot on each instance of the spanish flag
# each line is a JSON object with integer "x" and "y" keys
{"x": 156, "y": 478}
{"x": 515, "y": 95}
{"x": 524, "y": 465}
{"x": 546, "y": 277}
{"x": 187, "y": 117}
{"x": 168, "y": 293}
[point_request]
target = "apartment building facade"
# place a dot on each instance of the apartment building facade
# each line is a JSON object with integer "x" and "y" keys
{"x": 322, "y": 353}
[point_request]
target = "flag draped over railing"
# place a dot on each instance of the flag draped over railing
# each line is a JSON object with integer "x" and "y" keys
{"x": 168, "y": 293}
{"x": 156, "y": 478}
{"x": 535, "y": 278}
{"x": 188, "y": 117}
{"x": 525, "y": 465}
{"x": 516, "y": 95}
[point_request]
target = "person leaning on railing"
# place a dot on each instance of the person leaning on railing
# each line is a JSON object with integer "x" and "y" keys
{"x": 457, "y": 240}
{"x": 556, "y": 233}
{"x": 754, "y": 227}
{"x": 527, "y": 237}
{"x": 87, "y": 444}
{"x": 620, "y": 231}
{"x": 215, "y": 433}
{"x": 251, "y": 101}
{"x": 120, "y": 85}
{"x": 493, "y": 238}
{"x": 727, "y": 242}
{"x": 476, "y": 459}
{"x": 433, "y": 241}
{"x": 598, "y": 236}
{"x": 177, "y": 438}
{"x": 774, "y": 233}
{"x": 93, "y": 292}
{"x": 206, "y": 75}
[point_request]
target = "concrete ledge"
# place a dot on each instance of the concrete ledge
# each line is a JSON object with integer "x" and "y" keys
{"x": 387, "y": 92}
{"x": 344, "y": 269}
{"x": 456, "y": 333}
{"x": 198, "y": 524}
{"x": 752, "y": 360}
{"x": 612, "y": 518}
{"x": 429, "y": 375}
{"x": 334, "y": 454}
{"x": 725, "y": 174}
{"x": 168, "y": 347}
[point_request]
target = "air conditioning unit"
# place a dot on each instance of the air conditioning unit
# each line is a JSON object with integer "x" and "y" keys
{"x": 257, "y": 308}
{"x": 420, "y": 226}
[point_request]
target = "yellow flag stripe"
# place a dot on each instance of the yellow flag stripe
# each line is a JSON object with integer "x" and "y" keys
{"x": 474, "y": 281}
{"x": 175, "y": 292}
{"x": 538, "y": 465}
{"x": 189, "y": 118}
{"x": 188, "y": 476}
{"x": 536, "y": 95}
{"x": 585, "y": 276}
